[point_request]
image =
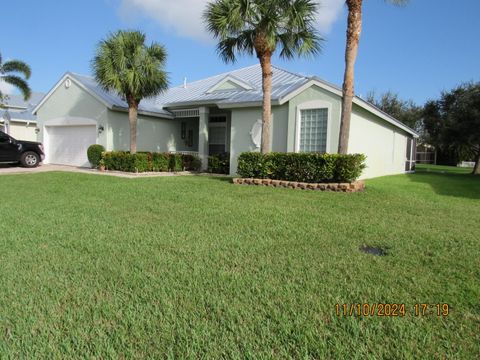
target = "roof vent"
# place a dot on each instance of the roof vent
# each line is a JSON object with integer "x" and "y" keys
{"x": 68, "y": 83}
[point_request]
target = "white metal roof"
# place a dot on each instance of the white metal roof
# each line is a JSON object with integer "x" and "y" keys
{"x": 285, "y": 85}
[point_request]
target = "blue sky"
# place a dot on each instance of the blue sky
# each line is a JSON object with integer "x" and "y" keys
{"x": 416, "y": 51}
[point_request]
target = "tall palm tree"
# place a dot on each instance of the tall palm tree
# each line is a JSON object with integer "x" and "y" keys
{"x": 125, "y": 65}
{"x": 260, "y": 27}
{"x": 354, "y": 30}
{"x": 9, "y": 73}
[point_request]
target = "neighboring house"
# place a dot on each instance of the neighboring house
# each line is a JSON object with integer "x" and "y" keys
{"x": 221, "y": 114}
{"x": 23, "y": 124}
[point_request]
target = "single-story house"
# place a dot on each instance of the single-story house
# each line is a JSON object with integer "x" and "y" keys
{"x": 221, "y": 114}
{"x": 22, "y": 124}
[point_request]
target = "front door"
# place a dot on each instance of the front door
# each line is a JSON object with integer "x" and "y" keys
{"x": 217, "y": 134}
{"x": 8, "y": 148}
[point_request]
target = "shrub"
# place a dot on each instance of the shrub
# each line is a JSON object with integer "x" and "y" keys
{"x": 219, "y": 164}
{"x": 302, "y": 167}
{"x": 191, "y": 162}
{"x": 94, "y": 154}
{"x": 160, "y": 162}
{"x": 175, "y": 162}
{"x": 147, "y": 161}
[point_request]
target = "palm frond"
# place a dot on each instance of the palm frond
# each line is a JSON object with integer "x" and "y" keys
{"x": 125, "y": 64}
{"x": 18, "y": 67}
{"x": 19, "y": 83}
{"x": 248, "y": 26}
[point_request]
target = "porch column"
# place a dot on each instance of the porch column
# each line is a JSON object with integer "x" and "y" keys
{"x": 203, "y": 136}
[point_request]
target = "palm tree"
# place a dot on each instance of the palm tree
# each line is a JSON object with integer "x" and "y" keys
{"x": 125, "y": 65}
{"x": 260, "y": 27}
{"x": 9, "y": 74}
{"x": 354, "y": 30}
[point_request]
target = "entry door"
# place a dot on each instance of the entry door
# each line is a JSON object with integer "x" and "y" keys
{"x": 217, "y": 134}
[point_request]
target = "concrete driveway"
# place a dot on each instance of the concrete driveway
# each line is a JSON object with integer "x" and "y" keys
{"x": 6, "y": 169}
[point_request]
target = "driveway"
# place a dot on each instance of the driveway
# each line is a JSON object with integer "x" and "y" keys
{"x": 6, "y": 169}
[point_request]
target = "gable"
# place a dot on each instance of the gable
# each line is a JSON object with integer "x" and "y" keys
{"x": 72, "y": 100}
{"x": 230, "y": 83}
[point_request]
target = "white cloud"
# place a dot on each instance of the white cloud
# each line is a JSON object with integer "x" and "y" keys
{"x": 184, "y": 17}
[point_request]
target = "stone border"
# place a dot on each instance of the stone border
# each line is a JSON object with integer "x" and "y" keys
{"x": 356, "y": 186}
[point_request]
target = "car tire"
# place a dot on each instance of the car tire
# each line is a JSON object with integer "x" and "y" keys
{"x": 30, "y": 159}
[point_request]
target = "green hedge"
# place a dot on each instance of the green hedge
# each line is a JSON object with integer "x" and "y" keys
{"x": 147, "y": 161}
{"x": 302, "y": 167}
{"x": 94, "y": 154}
{"x": 219, "y": 164}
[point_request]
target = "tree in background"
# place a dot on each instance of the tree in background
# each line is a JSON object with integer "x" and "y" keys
{"x": 9, "y": 73}
{"x": 405, "y": 111}
{"x": 260, "y": 27}
{"x": 452, "y": 123}
{"x": 126, "y": 65}
{"x": 354, "y": 30}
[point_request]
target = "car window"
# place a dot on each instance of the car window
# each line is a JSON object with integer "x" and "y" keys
{"x": 3, "y": 138}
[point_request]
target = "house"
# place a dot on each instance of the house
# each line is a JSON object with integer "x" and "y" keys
{"x": 221, "y": 114}
{"x": 22, "y": 124}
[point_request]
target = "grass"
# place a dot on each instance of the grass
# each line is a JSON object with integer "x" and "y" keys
{"x": 195, "y": 267}
{"x": 443, "y": 169}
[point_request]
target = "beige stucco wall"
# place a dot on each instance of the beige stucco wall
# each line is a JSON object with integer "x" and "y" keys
{"x": 154, "y": 134}
{"x": 383, "y": 144}
{"x": 242, "y": 121}
{"x": 311, "y": 94}
{"x": 23, "y": 131}
{"x": 72, "y": 102}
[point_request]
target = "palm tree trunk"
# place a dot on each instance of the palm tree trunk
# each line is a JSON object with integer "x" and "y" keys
{"x": 476, "y": 168}
{"x": 132, "y": 118}
{"x": 266, "y": 64}
{"x": 354, "y": 30}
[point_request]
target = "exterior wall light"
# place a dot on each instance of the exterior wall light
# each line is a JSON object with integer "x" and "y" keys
{"x": 101, "y": 129}
{"x": 37, "y": 130}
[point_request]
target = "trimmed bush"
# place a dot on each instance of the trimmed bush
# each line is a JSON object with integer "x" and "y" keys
{"x": 191, "y": 163}
{"x": 302, "y": 167}
{"x": 94, "y": 154}
{"x": 175, "y": 162}
{"x": 160, "y": 162}
{"x": 219, "y": 164}
{"x": 146, "y": 161}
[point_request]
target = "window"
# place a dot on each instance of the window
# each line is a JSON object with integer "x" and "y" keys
{"x": 313, "y": 130}
{"x": 4, "y": 138}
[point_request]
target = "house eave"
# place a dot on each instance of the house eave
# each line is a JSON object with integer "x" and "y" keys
{"x": 142, "y": 112}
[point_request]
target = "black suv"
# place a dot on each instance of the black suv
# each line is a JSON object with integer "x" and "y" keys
{"x": 28, "y": 153}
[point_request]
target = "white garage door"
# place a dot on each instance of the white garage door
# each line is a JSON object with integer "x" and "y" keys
{"x": 67, "y": 145}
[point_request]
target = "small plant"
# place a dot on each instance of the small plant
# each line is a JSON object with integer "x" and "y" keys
{"x": 94, "y": 154}
{"x": 101, "y": 165}
{"x": 219, "y": 164}
{"x": 191, "y": 163}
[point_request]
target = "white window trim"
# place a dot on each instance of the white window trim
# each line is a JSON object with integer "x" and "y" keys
{"x": 312, "y": 105}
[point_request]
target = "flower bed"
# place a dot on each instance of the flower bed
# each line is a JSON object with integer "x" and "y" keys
{"x": 356, "y": 186}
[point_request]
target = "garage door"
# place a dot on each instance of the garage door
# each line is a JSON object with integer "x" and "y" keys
{"x": 67, "y": 145}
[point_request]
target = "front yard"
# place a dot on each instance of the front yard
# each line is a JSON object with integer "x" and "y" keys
{"x": 195, "y": 267}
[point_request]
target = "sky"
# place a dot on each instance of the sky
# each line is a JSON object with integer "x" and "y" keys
{"x": 416, "y": 51}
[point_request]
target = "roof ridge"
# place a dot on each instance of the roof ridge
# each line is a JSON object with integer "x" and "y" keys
{"x": 224, "y": 74}
{"x": 289, "y": 72}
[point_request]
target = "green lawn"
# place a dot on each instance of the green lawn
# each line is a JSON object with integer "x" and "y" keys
{"x": 195, "y": 267}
